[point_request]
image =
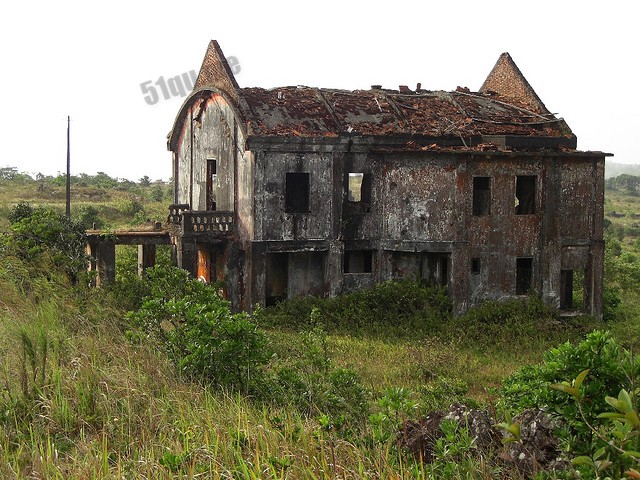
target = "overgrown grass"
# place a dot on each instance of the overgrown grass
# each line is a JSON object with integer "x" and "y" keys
{"x": 103, "y": 407}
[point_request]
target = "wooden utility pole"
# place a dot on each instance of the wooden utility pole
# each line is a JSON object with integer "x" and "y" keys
{"x": 68, "y": 169}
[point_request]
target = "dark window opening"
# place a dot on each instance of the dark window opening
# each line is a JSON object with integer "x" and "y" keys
{"x": 524, "y": 274}
{"x": 444, "y": 271}
{"x": 438, "y": 266}
{"x": 481, "y": 196}
{"x": 212, "y": 177}
{"x": 358, "y": 261}
{"x": 277, "y": 281}
{"x": 525, "y": 195}
{"x": 297, "y": 193}
{"x": 475, "y": 266}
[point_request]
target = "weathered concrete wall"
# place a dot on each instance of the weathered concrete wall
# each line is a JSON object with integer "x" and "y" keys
{"x": 500, "y": 237}
{"x": 209, "y": 133}
{"x": 183, "y": 157}
{"x": 577, "y": 200}
{"x": 246, "y": 190}
{"x": 272, "y": 222}
{"x": 419, "y": 199}
{"x": 306, "y": 274}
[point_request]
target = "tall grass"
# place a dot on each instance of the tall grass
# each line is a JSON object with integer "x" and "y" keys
{"x": 79, "y": 401}
{"x": 96, "y": 406}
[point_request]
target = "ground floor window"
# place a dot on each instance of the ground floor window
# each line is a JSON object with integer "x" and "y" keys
{"x": 524, "y": 274}
{"x": 277, "y": 280}
{"x": 358, "y": 261}
{"x": 572, "y": 290}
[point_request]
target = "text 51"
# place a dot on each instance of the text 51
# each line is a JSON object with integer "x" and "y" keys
{"x": 177, "y": 86}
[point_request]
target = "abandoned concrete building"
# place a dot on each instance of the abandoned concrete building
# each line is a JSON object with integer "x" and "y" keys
{"x": 314, "y": 191}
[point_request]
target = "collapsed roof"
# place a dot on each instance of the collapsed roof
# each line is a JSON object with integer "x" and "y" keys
{"x": 505, "y": 106}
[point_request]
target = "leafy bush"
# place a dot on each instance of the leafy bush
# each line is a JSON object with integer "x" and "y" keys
{"x": 195, "y": 326}
{"x": 157, "y": 193}
{"x": 37, "y": 232}
{"x": 610, "y": 366}
{"x": 613, "y": 450}
{"x": 130, "y": 206}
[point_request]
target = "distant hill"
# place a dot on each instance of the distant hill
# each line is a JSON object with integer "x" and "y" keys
{"x": 612, "y": 169}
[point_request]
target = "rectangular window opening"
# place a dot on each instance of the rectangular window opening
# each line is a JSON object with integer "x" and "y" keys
{"x": 212, "y": 178}
{"x": 297, "y": 193}
{"x": 355, "y": 187}
{"x": 359, "y": 190}
{"x": 524, "y": 274}
{"x": 358, "y": 261}
{"x": 572, "y": 290}
{"x": 475, "y": 266}
{"x": 481, "y": 196}
{"x": 525, "y": 194}
{"x": 277, "y": 278}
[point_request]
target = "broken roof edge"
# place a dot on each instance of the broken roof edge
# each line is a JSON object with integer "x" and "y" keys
{"x": 408, "y": 143}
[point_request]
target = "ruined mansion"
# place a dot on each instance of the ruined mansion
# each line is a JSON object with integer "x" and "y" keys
{"x": 315, "y": 191}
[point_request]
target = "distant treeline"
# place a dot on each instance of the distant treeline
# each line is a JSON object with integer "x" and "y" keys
{"x": 99, "y": 180}
{"x": 629, "y": 184}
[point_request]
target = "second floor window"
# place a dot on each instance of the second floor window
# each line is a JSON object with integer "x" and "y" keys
{"x": 297, "y": 193}
{"x": 525, "y": 194}
{"x": 212, "y": 180}
{"x": 481, "y": 196}
{"x": 359, "y": 192}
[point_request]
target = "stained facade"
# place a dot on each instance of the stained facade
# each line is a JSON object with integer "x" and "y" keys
{"x": 310, "y": 191}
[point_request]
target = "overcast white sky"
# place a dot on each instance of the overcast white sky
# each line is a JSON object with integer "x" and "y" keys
{"x": 88, "y": 60}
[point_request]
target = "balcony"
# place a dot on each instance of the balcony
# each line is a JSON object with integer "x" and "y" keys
{"x": 212, "y": 222}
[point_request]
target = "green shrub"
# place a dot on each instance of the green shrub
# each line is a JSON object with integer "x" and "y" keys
{"x": 391, "y": 306}
{"x": 307, "y": 380}
{"x": 196, "y": 328}
{"x": 610, "y": 366}
{"x": 157, "y": 193}
{"x": 504, "y": 324}
{"x": 130, "y": 206}
{"x": 88, "y": 217}
{"x": 41, "y": 233}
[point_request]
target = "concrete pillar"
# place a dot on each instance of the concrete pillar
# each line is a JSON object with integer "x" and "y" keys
{"x": 333, "y": 269}
{"x": 105, "y": 262}
{"x": 258, "y": 274}
{"x": 459, "y": 277}
{"x": 146, "y": 257}
{"x": 187, "y": 255}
